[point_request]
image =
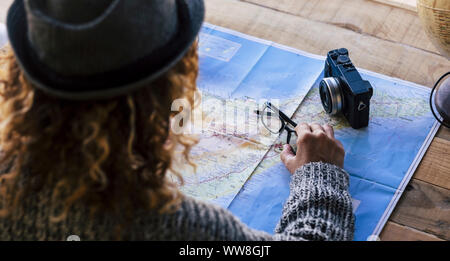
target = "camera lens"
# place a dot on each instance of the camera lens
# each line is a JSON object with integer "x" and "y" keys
{"x": 330, "y": 94}
{"x": 325, "y": 97}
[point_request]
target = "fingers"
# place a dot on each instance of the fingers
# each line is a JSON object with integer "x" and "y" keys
{"x": 286, "y": 154}
{"x": 316, "y": 143}
{"x": 288, "y": 158}
{"x": 329, "y": 131}
{"x": 317, "y": 128}
{"x": 302, "y": 127}
{"x": 340, "y": 145}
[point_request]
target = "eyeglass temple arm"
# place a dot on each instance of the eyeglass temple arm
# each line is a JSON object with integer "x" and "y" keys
{"x": 281, "y": 114}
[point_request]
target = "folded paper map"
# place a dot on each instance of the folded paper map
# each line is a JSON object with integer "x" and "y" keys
{"x": 241, "y": 170}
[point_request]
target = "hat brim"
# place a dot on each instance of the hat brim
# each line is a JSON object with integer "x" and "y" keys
{"x": 109, "y": 84}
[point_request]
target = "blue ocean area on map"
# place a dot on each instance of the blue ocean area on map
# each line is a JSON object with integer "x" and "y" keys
{"x": 377, "y": 159}
{"x": 252, "y": 69}
{"x": 380, "y": 158}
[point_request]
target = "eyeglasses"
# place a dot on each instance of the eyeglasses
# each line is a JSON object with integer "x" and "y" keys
{"x": 276, "y": 121}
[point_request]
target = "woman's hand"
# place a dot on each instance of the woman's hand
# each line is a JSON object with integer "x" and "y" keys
{"x": 315, "y": 143}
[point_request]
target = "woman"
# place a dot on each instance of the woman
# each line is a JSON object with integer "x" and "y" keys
{"x": 86, "y": 143}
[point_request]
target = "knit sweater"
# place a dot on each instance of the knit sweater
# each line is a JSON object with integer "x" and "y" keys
{"x": 319, "y": 207}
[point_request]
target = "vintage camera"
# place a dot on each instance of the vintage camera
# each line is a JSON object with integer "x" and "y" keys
{"x": 343, "y": 89}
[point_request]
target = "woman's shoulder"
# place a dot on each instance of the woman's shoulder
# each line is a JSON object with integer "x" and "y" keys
{"x": 195, "y": 219}
{"x": 191, "y": 219}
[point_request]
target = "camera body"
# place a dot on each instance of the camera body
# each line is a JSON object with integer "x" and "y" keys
{"x": 343, "y": 89}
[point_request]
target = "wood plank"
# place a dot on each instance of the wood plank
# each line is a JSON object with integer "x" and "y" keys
{"x": 443, "y": 133}
{"x": 364, "y": 16}
{"x": 396, "y": 232}
{"x": 424, "y": 207}
{"x": 367, "y": 52}
{"x": 406, "y": 4}
{"x": 435, "y": 165}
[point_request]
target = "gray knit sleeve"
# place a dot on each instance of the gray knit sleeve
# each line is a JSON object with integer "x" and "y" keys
{"x": 208, "y": 222}
{"x": 319, "y": 206}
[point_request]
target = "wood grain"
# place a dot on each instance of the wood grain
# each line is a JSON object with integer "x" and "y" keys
{"x": 424, "y": 207}
{"x": 367, "y": 52}
{"x": 396, "y": 232}
{"x": 363, "y": 16}
{"x": 406, "y": 4}
{"x": 443, "y": 133}
{"x": 435, "y": 165}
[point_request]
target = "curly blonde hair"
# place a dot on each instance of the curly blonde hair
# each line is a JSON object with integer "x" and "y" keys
{"x": 112, "y": 155}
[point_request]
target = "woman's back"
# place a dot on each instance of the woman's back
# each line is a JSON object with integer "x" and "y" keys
{"x": 304, "y": 217}
{"x": 86, "y": 142}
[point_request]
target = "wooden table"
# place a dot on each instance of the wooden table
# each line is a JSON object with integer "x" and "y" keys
{"x": 384, "y": 36}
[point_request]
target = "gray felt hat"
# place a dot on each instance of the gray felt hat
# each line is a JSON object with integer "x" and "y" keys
{"x": 97, "y": 49}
